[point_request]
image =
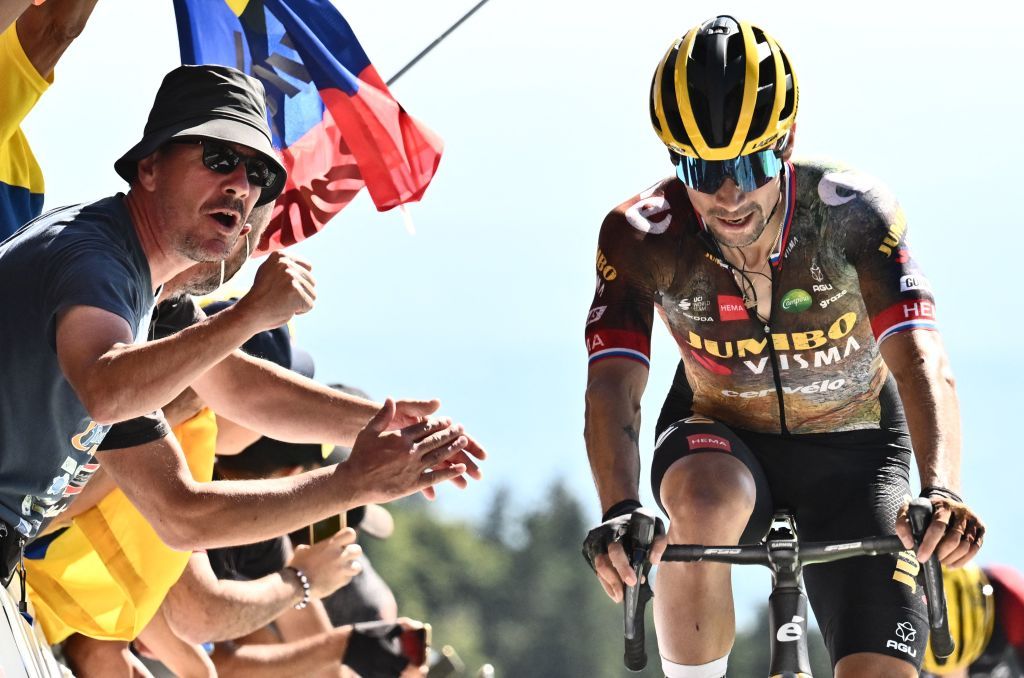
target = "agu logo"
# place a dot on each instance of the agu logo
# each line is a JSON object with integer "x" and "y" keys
{"x": 906, "y": 633}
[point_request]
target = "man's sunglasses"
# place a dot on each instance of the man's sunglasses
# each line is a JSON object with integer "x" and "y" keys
{"x": 750, "y": 172}
{"x": 222, "y": 159}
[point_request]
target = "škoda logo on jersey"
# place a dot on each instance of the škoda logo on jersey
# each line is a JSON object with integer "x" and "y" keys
{"x": 811, "y": 348}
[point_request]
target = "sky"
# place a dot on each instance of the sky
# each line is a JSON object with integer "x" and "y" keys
{"x": 543, "y": 110}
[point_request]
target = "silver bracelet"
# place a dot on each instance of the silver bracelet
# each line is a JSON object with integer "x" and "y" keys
{"x": 304, "y": 580}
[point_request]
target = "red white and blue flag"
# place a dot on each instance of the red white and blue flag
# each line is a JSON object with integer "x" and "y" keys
{"x": 331, "y": 115}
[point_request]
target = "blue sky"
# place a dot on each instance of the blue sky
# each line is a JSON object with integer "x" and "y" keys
{"x": 543, "y": 108}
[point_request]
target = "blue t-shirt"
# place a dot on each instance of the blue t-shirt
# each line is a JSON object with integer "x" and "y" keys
{"x": 83, "y": 255}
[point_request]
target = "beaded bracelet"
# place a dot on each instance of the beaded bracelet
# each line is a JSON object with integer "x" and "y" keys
{"x": 304, "y": 580}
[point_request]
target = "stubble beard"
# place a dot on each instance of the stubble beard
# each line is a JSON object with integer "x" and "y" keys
{"x": 739, "y": 239}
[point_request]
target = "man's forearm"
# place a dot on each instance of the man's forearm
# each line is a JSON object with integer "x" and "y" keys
{"x": 282, "y": 404}
{"x": 136, "y": 378}
{"x": 928, "y": 393}
{"x": 295, "y": 658}
{"x": 159, "y": 484}
{"x": 612, "y": 438}
{"x": 228, "y": 609}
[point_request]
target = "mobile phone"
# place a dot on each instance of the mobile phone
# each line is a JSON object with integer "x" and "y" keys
{"x": 325, "y": 529}
{"x": 416, "y": 645}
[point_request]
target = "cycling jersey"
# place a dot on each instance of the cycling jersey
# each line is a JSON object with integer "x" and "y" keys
{"x": 843, "y": 281}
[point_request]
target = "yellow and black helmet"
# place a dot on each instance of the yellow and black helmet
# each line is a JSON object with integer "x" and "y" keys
{"x": 970, "y": 609}
{"x": 723, "y": 90}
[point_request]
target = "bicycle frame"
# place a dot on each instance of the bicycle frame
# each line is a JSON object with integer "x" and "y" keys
{"x": 783, "y": 554}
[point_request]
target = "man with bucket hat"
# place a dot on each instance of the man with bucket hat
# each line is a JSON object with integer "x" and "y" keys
{"x": 75, "y": 359}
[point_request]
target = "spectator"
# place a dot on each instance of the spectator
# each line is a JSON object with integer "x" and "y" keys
{"x": 89, "y": 273}
{"x": 29, "y": 51}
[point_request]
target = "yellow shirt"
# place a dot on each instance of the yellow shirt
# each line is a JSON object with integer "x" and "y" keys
{"x": 107, "y": 574}
{"x": 21, "y": 180}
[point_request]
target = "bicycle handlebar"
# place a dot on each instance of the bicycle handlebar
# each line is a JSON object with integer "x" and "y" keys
{"x": 920, "y": 513}
{"x": 641, "y": 535}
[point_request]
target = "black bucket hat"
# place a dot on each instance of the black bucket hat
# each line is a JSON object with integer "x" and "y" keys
{"x": 215, "y": 102}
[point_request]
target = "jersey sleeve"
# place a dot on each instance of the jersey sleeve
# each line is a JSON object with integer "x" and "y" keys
{"x": 896, "y": 292}
{"x": 622, "y": 312}
{"x": 85, "y": 272}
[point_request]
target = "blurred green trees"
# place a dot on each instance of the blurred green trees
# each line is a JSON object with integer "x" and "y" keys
{"x": 515, "y": 592}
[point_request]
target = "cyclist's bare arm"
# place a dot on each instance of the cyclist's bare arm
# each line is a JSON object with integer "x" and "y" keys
{"x": 920, "y": 366}
{"x": 614, "y": 389}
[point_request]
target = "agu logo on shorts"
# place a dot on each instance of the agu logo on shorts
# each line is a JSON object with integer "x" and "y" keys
{"x": 796, "y": 301}
{"x": 906, "y": 633}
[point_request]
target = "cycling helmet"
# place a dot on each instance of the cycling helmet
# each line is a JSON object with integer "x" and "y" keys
{"x": 723, "y": 90}
{"x": 971, "y": 612}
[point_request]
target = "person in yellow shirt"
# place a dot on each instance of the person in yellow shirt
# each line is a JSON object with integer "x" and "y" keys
{"x": 29, "y": 50}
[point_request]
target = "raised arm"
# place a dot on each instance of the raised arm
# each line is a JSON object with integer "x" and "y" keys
{"x": 47, "y": 30}
{"x": 117, "y": 379}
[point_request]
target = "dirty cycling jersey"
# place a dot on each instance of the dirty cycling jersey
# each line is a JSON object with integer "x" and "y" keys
{"x": 843, "y": 281}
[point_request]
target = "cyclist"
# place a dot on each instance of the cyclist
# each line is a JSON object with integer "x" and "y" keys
{"x": 985, "y": 607}
{"x": 809, "y": 361}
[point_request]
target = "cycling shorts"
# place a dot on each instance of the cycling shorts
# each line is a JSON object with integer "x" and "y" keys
{"x": 838, "y": 486}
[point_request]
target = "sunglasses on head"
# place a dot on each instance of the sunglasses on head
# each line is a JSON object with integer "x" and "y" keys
{"x": 750, "y": 172}
{"x": 222, "y": 159}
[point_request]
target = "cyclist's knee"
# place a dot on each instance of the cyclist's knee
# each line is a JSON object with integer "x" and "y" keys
{"x": 709, "y": 491}
{"x": 873, "y": 664}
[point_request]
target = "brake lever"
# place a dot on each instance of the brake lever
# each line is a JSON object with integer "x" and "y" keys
{"x": 920, "y": 514}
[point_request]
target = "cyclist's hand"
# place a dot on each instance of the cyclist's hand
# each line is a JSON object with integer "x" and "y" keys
{"x": 329, "y": 564}
{"x": 604, "y": 551}
{"x": 955, "y": 533}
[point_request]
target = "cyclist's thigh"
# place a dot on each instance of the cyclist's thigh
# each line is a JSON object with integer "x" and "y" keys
{"x": 696, "y": 434}
{"x": 847, "y": 486}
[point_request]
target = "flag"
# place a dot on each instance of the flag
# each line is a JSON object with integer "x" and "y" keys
{"x": 330, "y": 113}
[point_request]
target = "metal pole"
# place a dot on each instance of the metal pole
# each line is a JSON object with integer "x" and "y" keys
{"x": 434, "y": 44}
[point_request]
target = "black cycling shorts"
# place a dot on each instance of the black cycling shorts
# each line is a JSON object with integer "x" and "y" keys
{"x": 839, "y": 486}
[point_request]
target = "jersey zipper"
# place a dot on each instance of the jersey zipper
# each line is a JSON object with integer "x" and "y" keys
{"x": 776, "y": 372}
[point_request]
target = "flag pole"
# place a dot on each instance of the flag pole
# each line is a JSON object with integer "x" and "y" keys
{"x": 434, "y": 44}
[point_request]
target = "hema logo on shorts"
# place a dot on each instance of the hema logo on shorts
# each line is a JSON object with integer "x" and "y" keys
{"x": 707, "y": 441}
{"x": 906, "y": 632}
{"x": 822, "y": 386}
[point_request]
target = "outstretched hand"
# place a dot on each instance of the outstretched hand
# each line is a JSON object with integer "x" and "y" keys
{"x": 410, "y": 412}
{"x": 389, "y": 464}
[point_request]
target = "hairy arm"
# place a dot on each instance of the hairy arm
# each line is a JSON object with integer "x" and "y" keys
{"x": 202, "y": 608}
{"x": 300, "y": 657}
{"x": 118, "y": 380}
{"x": 157, "y": 481}
{"x": 382, "y": 466}
{"x": 46, "y": 31}
{"x": 280, "y": 403}
{"x": 921, "y": 368}
{"x": 614, "y": 389}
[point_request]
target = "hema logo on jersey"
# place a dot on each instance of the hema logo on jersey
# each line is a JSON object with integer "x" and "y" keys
{"x": 731, "y": 308}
